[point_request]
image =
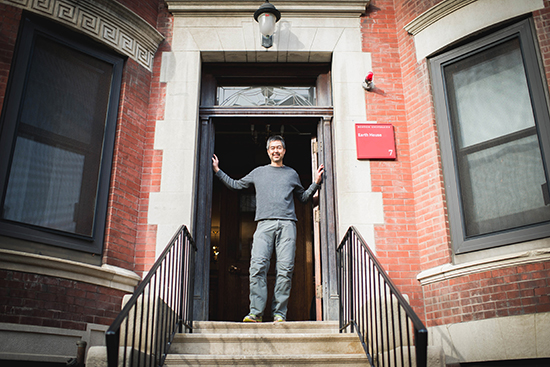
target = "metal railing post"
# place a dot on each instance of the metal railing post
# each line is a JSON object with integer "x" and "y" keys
{"x": 164, "y": 296}
{"x": 370, "y": 303}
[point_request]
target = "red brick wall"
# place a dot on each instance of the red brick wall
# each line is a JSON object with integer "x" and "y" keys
{"x": 397, "y": 239}
{"x": 130, "y": 241}
{"x": 55, "y": 302}
{"x": 152, "y": 159}
{"x": 124, "y": 206}
{"x": 9, "y": 26}
{"x": 542, "y": 24}
{"x": 504, "y": 292}
{"x": 146, "y": 9}
{"x": 415, "y": 235}
{"x": 431, "y": 218}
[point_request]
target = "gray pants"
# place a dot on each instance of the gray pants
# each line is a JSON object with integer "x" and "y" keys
{"x": 280, "y": 234}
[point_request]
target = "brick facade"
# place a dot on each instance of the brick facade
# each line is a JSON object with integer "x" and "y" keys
{"x": 45, "y": 301}
{"x": 146, "y": 9}
{"x": 397, "y": 241}
{"x": 152, "y": 159}
{"x": 132, "y": 125}
{"x": 55, "y": 302}
{"x": 516, "y": 290}
{"x": 542, "y": 24}
{"x": 130, "y": 241}
{"x": 10, "y": 18}
{"x": 416, "y": 235}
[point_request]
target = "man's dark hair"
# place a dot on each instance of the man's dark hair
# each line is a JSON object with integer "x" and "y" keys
{"x": 275, "y": 138}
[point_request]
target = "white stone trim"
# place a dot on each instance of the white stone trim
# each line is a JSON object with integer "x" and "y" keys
{"x": 288, "y": 8}
{"x": 105, "y": 275}
{"x": 453, "y": 20}
{"x": 46, "y": 344}
{"x": 105, "y": 21}
{"x": 494, "y": 339}
{"x": 226, "y": 39}
{"x": 435, "y": 13}
{"x": 450, "y": 271}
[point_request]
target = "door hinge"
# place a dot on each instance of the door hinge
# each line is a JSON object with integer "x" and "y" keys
{"x": 319, "y": 291}
{"x": 315, "y": 147}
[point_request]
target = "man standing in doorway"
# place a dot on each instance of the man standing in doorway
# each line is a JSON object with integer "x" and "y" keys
{"x": 275, "y": 186}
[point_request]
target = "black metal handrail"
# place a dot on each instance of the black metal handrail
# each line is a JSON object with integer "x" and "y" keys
{"x": 372, "y": 306}
{"x": 161, "y": 305}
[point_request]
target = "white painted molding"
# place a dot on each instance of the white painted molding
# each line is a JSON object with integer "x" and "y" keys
{"x": 515, "y": 337}
{"x": 450, "y": 271}
{"x": 38, "y": 343}
{"x": 106, "y": 275}
{"x": 290, "y": 8}
{"x": 435, "y": 13}
{"x": 105, "y": 21}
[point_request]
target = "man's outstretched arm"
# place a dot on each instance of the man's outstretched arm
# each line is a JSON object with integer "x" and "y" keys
{"x": 243, "y": 183}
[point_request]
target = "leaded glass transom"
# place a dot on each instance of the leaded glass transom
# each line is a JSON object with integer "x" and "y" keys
{"x": 265, "y": 96}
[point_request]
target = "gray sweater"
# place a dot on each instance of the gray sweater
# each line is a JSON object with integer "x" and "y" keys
{"x": 274, "y": 187}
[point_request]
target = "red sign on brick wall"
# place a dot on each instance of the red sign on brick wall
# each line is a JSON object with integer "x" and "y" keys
{"x": 375, "y": 141}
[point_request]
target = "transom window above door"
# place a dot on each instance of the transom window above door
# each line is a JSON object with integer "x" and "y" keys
{"x": 262, "y": 85}
{"x": 249, "y": 96}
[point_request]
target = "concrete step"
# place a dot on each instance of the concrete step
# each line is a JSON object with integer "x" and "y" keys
{"x": 299, "y": 327}
{"x": 335, "y": 360}
{"x": 285, "y": 344}
{"x": 268, "y": 344}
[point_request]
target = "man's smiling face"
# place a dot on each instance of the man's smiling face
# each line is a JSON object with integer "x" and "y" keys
{"x": 276, "y": 152}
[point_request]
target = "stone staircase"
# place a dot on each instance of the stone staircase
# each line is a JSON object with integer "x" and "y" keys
{"x": 301, "y": 343}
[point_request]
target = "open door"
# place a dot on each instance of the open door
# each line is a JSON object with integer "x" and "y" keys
{"x": 316, "y": 237}
{"x": 240, "y": 146}
{"x": 237, "y": 158}
{"x": 201, "y": 223}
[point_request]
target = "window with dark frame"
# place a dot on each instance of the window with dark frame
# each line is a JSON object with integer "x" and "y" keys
{"x": 57, "y": 138}
{"x": 493, "y": 121}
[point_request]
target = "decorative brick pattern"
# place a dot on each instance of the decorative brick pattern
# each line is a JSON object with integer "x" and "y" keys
{"x": 503, "y": 292}
{"x": 55, "y": 302}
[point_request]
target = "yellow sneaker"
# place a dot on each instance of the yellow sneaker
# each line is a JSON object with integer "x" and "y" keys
{"x": 278, "y": 318}
{"x": 252, "y": 318}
